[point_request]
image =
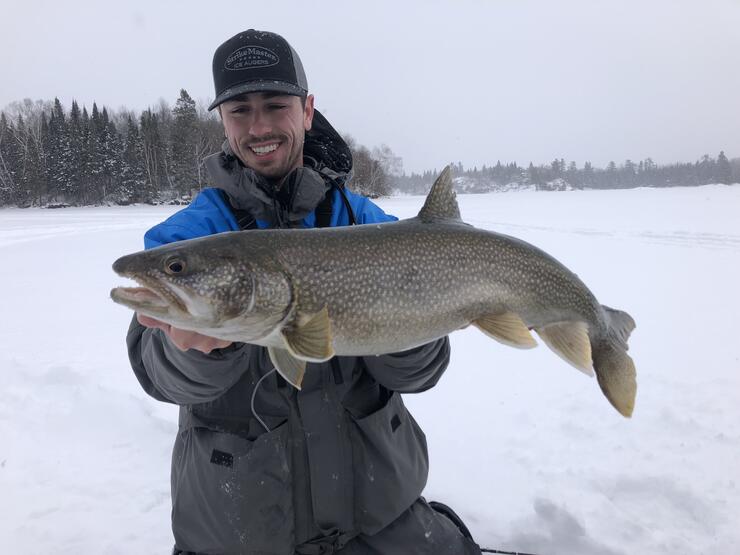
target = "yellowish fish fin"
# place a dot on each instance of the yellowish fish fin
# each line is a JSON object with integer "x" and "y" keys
{"x": 507, "y": 328}
{"x": 289, "y": 367}
{"x": 311, "y": 338}
{"x": 570, "y": 341}
{"x": 616, "y": 373}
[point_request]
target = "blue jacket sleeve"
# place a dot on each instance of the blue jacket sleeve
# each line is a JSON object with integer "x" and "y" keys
{"x": 209, "y": 213}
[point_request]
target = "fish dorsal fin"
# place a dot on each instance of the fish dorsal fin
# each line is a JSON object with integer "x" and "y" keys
{"x": 507, "y": 328}
{"x": 441, "y": 203}
{"x": 311, "y": 338}
{"x": 570, "y": 342}
{"x": 289, "y": 367}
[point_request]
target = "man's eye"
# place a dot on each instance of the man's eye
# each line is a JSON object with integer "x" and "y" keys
{"x": 277, "y": 106}
{"x": 239, "y": 110}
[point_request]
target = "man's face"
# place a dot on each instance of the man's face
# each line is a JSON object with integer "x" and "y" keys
{"x": 266, "y": 131}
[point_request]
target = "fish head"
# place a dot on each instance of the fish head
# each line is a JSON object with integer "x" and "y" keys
{"x": 205, "y": 285}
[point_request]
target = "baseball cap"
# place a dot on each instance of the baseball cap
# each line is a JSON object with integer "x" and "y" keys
{"x": 257, "y": 61}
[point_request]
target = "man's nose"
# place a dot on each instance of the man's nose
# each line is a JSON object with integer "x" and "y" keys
{"x": 261, "y": 124}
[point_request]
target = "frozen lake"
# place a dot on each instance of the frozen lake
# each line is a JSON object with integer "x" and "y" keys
{"x": 524, "y": 447}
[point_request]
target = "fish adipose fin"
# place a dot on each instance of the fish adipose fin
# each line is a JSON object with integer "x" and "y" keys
{"x": 441, "y": 203}
{"x": 289, "y": 367}
{"x": 570, "y": 341}
{"x": 507, "y": 328}
{"x": 311, "y": 339}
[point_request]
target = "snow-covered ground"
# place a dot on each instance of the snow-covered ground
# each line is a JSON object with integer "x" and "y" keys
{"x": 525, "y": 448}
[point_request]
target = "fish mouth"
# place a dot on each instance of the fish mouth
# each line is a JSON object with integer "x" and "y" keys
{"x": 152, "y": 298}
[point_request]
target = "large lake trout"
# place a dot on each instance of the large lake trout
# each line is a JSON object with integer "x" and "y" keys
{"x": 310, "y": 294}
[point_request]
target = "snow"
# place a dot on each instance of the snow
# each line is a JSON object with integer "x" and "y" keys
{"x": 523, "y": 447}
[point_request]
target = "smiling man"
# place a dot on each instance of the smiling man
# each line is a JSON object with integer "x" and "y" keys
{"x": 266, "y": 130}
{"x": 259, "y": 467}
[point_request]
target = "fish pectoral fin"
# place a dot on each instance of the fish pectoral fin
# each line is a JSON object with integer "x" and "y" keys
{"x": 508, "y": 328}
{"x": 570, "y": 342}
{"x": 289, "y": 367}
{"x": 311, "y": 340}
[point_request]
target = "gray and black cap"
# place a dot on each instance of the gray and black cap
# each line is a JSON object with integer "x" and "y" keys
{"x": 257, "y": 61}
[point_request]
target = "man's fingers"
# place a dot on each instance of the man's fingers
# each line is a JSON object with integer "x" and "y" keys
{"x": 184, "y": 339}
{"x": 149, "y": 322}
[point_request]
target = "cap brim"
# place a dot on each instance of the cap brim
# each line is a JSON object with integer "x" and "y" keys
{"x": 258, "y": 86}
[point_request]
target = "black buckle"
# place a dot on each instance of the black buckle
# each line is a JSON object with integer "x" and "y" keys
{"x": 325, "y": 545}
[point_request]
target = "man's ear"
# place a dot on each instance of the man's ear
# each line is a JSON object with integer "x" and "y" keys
{"x": 220, "y": 115}
{"x": 308, "y": 113}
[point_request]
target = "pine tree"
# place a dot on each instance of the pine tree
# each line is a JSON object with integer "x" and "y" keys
{"x": 75, "y": 188}
{"x": 21, "y": 194}
{"x": 184, "y": 141}
{"x": 58, "y": 151}
{"x": 533, "y": 175}
{"x": 630, "y": 174}
{"x": 705, "y": 170}
{"x": 134, "y": 184}
{"x": 87, "y": 158}
{"x": 43, "y": 157}
{"x": 8, "y": 161}
{"x": 97, "y": 152}
{"x": 34, "y": 172}
{"x": 724, "y": 169}
{"x": 110, "y": 146}
{"x": 588, "y": 175}
{"x": 154, "y": 151}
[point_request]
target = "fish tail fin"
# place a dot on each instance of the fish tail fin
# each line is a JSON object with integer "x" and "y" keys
{"x": 621, "y": 325}
{"x": 615, "y": 369}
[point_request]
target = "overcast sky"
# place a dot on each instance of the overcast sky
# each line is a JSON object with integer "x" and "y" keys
{"x": 469, "y": 81}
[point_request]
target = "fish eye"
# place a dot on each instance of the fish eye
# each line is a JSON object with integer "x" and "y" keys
{"x": 174, "y": 265}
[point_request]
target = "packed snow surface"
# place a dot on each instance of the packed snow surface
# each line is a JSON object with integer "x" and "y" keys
{"x": 524, "y": 447}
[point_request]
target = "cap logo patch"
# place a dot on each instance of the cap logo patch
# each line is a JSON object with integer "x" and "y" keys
{"x": 248, "y": 57}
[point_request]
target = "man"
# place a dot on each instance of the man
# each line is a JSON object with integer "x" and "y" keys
{"x": 259, "y": 467}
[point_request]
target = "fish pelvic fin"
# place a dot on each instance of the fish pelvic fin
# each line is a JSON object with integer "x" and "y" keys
{"x": 507, "y": 328}
{"x": 615, "y": 371}
{"x": 441, "y": 203}
{"x": 289, "y": 367}
{"x": 311, "y": 339}
{"x": 571, "y": 342}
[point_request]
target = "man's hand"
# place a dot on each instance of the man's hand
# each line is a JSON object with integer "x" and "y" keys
{"x": 184, "y": 339}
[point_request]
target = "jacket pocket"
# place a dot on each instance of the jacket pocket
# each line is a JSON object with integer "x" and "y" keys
{"x": 391, "y": 465}
{"x": 232, "y": 495}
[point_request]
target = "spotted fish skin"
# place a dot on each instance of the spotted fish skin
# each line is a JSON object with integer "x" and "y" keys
{"x": 379, "y": 288}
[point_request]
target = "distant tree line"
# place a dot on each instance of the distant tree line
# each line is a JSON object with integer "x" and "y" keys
{"x": 559, "y": 175}
{"x": 50, "y": 156}
{"x": 53, "y": 157}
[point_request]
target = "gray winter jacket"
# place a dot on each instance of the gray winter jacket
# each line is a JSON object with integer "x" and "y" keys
{"x": 261, "y": 468}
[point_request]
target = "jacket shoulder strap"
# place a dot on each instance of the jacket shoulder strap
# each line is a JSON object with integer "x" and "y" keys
{"x": 324, "y": 209}
{"x": 243, "y": 217}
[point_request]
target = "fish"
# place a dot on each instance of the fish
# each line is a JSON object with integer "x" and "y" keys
{"x": 308, "y": 295}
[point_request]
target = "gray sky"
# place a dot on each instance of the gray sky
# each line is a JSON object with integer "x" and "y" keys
{"x": 438, "y": 81}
